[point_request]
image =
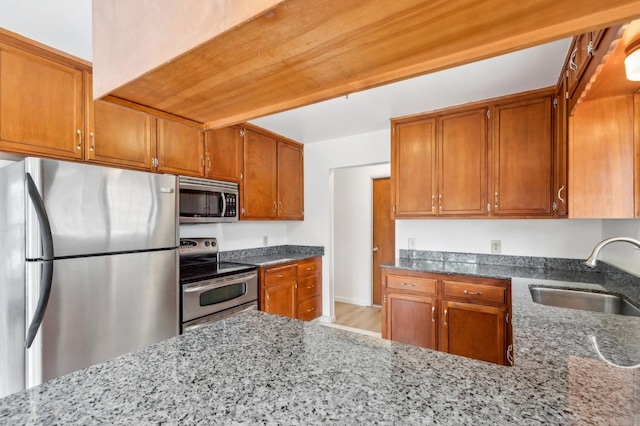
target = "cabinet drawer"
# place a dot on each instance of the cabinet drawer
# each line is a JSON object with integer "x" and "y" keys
{"x": 308, "y": 267}
{"x": 423, "y": 285}
{"x": 279, "y": 275}
{"x": 470, "y": 291}
{"x": 310, "y": 308}
{"x": 308, "y": 287}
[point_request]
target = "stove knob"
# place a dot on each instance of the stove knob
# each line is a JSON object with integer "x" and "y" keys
{"x": 213, "y": 243}
{"x": 206, "y": 243}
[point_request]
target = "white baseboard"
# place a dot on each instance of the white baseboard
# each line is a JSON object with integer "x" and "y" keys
{"x": 359, "y": 302}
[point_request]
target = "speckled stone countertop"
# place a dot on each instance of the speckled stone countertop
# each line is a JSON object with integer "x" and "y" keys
{"x": 257, "y": 368}
{"x": 273, "y": 255}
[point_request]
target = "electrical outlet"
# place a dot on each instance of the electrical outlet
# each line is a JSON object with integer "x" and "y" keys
{"x": 496, "y": 246}
{"x": 412, "y": 243}
{"x": 265, "y": 240}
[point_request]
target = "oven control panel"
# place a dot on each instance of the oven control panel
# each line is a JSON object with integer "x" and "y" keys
{"x": 198, "y": 246}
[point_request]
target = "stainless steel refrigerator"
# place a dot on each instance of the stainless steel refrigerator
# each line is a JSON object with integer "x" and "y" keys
{"x": 88, "y": 266}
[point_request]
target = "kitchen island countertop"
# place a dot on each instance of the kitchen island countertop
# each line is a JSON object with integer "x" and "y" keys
{"x": 260, "y": 368}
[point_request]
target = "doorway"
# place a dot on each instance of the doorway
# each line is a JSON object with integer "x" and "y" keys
{"x": 353, "y": 199}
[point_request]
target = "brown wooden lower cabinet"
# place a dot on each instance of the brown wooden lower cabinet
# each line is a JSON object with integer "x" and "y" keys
{"x": 461, "y": 315}
{"x": 292, "y": 289}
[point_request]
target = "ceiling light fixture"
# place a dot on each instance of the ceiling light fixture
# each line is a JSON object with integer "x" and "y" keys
{"x": 632, "y": 61}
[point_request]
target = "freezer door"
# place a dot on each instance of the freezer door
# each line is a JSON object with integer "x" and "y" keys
{"x": 101, "y": 307}
{"x": 94, "y": 209}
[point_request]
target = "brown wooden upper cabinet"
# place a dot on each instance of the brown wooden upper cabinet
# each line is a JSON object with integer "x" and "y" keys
{"x": 121, "y": 137}
{"x": 443, "y": 163}
{"x": 223, "y": 154}
{"x": 272, "y": 186}
{"x": 523, "y": 158}
{"x": 440, "y": 165}
{"x": 41, "y": 103}
{"x": 180, "y": 149}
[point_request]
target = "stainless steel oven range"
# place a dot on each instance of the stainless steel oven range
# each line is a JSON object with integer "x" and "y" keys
{"x": 212, "y": 290}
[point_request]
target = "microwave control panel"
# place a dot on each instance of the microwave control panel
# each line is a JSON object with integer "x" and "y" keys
{"x": 231, "y": 200}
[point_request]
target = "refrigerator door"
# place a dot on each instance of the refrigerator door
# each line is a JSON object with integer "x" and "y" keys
{"x": 12, "y": 278}
{"x": 95, "y": 210}
{"x": 101, "y": 307}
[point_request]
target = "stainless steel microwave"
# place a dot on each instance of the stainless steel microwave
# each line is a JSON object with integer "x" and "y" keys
{"x": 207, "y": 201}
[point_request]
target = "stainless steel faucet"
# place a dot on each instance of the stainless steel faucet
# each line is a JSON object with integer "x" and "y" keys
{"x": 591, "y": 261}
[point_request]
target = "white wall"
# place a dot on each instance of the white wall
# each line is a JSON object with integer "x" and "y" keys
{"x": 320, "y": 159}
{"x": 352, "y": 232}
{"x": 564, "y": 238}
{"x": 62, "y": 24}
{"x": 624, "y": 256}
{"x": 240, "y": 235}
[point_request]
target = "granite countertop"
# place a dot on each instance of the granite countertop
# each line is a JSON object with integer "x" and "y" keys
{"x": 260, "y": 368}
{"x": 274, "y": 255}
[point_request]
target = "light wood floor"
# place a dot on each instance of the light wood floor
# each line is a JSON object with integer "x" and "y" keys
{"x": 360, "y": 317}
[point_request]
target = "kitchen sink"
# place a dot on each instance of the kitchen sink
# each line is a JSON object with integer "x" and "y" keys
{"x": 584, "y": 300}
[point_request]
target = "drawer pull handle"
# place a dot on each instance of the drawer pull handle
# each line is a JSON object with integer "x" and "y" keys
{"x": 475, "y": 293}
{"x": 409, "y": 284}
{"x": 445, "y": 316}
{"x": 433, "y": 314}
{"x": 311, "y": 286}
{"x": 310, "y": 268}
{"x": 312, "y": 309}
{"x": 279, "y": 275}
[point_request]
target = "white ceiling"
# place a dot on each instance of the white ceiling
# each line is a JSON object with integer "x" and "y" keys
{"x": 66, "y": 25}
{"x": 370, "y": 110}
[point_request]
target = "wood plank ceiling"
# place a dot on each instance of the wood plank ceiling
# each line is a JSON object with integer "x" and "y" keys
{"x": 305, "y": 51}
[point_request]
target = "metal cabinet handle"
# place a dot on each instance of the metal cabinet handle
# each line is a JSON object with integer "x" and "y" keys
{"x": 311, "y": 286}
{"x": 279, "y": 276}
{"x": 572, "y": 60}
{"x": 409, "y": 284}
{"x": 93, "y": 141}
{"x": 433, "y": 314}
{"x": 310, "y": 268}
{"x": 201, "y": 163}
{"x": 311, "y": 309}
{"x": 476, "y": 293}
{"x": 208, "y": 163}
{"x": 440, "y": 201}
{"x": 275, "y": 206}
{"x": 280, "y": 207}
{"x": 495, "y": 200}
{"x": 559, "y": 191}
{"x": 79, "y": 139}
{"x": 433, "y": 202}
{"x": 445, "y": 316}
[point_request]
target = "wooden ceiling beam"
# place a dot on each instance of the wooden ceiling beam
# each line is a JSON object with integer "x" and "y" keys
{"x": 306, "y": 51}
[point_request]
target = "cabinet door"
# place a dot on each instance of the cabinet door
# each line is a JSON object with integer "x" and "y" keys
{"x": 413, "y": 168}
{"x": 474, "y": 331}
{"x": 410, "y": 319}
{"x": 41, "y": 106}
{"x": 522, "y": 159}
{"x": 260, "y": 174}
{"x": 290, "y": 182}
{"x": 601, "y": 169}
{"x": 180, "y": 149}
{"x": 121, "y": 137}
{"x": 561, "y": 123}
{"x": 462, "y": 164}
{"x": 224, "y": 154}
{"x": 281, "y": 300}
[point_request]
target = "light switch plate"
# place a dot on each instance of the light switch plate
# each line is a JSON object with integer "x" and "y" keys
{"x": 265, "y": 240}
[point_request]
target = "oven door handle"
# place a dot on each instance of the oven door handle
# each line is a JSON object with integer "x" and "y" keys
{"x": 223, "y": 201}
{"x": 219, "y": 284}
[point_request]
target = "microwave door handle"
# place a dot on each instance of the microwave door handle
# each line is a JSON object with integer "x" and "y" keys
{"x": 224, "y": 204}
{"x": 47, "y": 266}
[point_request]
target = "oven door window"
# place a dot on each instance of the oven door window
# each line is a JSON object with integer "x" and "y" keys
{"x": 223, "y": 294}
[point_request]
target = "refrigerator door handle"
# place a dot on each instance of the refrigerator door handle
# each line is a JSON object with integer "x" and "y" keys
{"x": 47, "y": 267}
